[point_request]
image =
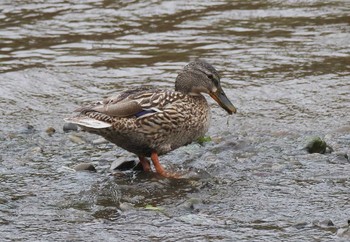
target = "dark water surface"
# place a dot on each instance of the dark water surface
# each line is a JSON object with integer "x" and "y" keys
{"x": 284, "y": 64}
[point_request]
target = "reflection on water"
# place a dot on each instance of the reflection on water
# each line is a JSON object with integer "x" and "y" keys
{"x": 285, "y": 65}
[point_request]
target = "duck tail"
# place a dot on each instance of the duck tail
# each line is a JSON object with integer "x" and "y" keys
{"x": 88, "y": 122}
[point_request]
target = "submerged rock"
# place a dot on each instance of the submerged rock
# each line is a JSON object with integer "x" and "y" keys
{"x": 84, "y": 167}
{"x": 100, "y": 141}
{"x": 76, "y": 139}
{"x": 37, "y": 150}
{"x": 123, "y": 165}
{"x": 316, "y": 145}
{"x": 27, "y": 129}
{"x": 194, "y": 204}
{"x": 50, "y": 131}
{"x": 67, "y": 127}
{"x": 344, "y": 232}
{"x": 340, "y": 157}
{"x": 326, "y": 224}
{"x": 198, "y": 220}
{"x": 125, "y": 206}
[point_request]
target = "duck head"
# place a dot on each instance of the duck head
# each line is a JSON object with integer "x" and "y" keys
{"x": 200, "y": 77}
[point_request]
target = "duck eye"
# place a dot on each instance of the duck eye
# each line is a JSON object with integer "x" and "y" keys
{"x": 213, "y": 79}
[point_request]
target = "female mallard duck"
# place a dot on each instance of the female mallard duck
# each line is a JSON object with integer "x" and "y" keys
{"x": 150, "y": 122}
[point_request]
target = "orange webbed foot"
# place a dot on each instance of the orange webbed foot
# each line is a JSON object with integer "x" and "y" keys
{"x": 159, "y": 168}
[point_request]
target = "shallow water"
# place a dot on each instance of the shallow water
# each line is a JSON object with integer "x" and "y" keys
{"x": 285, "y": 65}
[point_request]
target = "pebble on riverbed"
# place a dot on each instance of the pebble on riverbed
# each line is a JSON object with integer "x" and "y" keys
{"x": 125, "y": 206}
{"x": 316, "y": 145}
{"x": 344, "y": 232}
{"x": 50, "y": 131}
{"x": 76, "y": 139}
{"x": 194, "y": 204}
{"x": 85, "y": 167}
{"x": 27, "y": 129}
{"x": 100, "y": 141}
{"x": 123, "y": 165}
{"x": 326, "y": 224}
{"x": 67, "y": 127}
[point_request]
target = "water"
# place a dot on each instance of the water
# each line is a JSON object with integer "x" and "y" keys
{"x": 284, "y": 64}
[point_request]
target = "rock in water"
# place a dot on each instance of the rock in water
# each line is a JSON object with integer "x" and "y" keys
{"x": 316, "y": 145}
{"x": 70, "y": 127}
{"x": 123, "y": 165}
{"x": 76, "y": 139}
{"x": 50, "y": 131}
{"x": 27, "y": 129}
{"x": 85, "y": 167}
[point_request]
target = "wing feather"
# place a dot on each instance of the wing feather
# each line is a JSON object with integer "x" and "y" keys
{"x": 138, "y": 102}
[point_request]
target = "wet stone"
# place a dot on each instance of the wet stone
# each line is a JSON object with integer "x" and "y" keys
{"x": 67, "y": 127}
{"x": 301, "y": 225}
{"x": 316, "y": 145}
{"x": 344, "y": 232}
{"x": 100, "y": 141}
{"x": 327, "y": 223}
{"x": 76, "y": 139}
{"x": 27, "y": 129}
{"x": 125, "y": 206}
{"x": 194, "y": 204}
{"x": 217, "y": 139}
{"x": 197, "y": 219}
{"x": 340, "y": 158}
{"x": 84, "y": 167}
{"x": 2, "y": 137}
{"x": 123, "y": 165}
{"x": 50, "y": 131}
{"x": 36, "y": 150}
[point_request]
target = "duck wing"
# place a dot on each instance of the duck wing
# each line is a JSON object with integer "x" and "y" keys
{"x": 126, "y": 104}
{"x": 137, "y": 102}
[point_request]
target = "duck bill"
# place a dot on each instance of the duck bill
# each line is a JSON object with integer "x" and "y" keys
{"x": 220, "y": 97}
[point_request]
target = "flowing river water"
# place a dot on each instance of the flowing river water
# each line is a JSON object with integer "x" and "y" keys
{"x": 284, "y": 64}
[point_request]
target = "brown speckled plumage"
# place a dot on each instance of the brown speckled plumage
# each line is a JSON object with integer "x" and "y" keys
{"x": 151, "y": 122}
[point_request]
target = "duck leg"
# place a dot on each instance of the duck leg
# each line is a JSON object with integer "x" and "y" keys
{"x": 145, "y": 164}
{"x": 159, "y": 168}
